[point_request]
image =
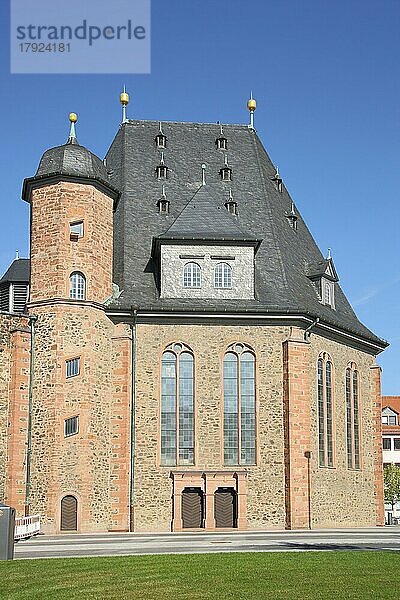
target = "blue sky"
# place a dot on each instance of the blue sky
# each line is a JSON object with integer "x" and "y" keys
{"x": 326, "y": 78}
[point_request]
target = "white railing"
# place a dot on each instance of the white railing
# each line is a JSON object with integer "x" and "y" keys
{"x": 25, "y": 527}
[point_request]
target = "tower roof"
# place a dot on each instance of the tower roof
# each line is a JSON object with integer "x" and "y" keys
{"x": 71, "y": 162}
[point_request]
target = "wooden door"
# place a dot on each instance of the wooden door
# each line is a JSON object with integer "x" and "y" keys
{"x": 225, "y": 507}
{"x": 69, "y": 513}
{"x": 192, "y": 508}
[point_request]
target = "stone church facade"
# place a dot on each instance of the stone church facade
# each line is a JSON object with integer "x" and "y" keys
{"x": 184, "y": 357}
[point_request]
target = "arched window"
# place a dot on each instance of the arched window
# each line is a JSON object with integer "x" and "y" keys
{"x": 352, "y": 417}
{"x": 77, "y": 286}
{"x": 177, "y": 406}
{"x": 223, "y": 275}
{"x": 239, "y": 406}
{"x": 69, "y": 514}
{"x": 192, "y": 275}
{"x": 325, "y": 410}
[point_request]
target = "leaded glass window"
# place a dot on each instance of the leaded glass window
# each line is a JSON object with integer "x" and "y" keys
{"x": 177, "y": 406}
{"x": 77, "y": 284}
{"x": 325, "y": 411}
{"x": 192, "y": 275}
{"x": 223, "y": 275}
{"x": 352, "y": 418}
{"x": 239, "y": 406}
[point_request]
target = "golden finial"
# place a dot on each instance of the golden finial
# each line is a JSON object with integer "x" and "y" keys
{"x": 251, "y": 105}
{"x": 124, "y": 99}
{"x": 73, "y": 117}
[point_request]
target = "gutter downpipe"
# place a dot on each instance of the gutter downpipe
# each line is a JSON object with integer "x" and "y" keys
{"x": 133, "y": 392}
{"x": 307, "y": 331}
{"x": 32, "y": 321}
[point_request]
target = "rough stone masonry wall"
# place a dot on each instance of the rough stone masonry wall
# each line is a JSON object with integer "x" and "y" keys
{"x": 54, "y": 256}
{"x": 14, "y": 369}
{"x": 265, "y": 483}
{"x": 341, "y": 496}
{"x": 81, "y": 464}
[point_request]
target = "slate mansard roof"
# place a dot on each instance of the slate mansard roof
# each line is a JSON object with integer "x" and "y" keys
{"x": 285, "y": 256}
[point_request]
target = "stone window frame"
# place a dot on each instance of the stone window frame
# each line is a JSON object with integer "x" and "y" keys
{"x": 171, "y": 347}
{"x": 76, "y": 279}
{"x": 246, "y": 348}
{"x": 198, "y": 275}
{"x": 326, "y": 401}
{"x": 353, "y": 417}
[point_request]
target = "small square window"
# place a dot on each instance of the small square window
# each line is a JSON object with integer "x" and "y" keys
{"x": 396, "y": 443}
{"x": 76, "y": 230}
{"x": 387, "y": 444}
{"x": 392, "y": 420}
{"x": 72, "y": 367}
{"x": 385, "y": 420}
{"x": 71, "y": 426}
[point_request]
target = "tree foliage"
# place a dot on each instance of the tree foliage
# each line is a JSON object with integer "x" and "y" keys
{"x": 391, "y": 478}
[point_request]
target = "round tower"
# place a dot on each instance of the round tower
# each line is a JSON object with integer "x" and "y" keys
{"x": 72, "y": 206}
{"x": 72, "y": 410}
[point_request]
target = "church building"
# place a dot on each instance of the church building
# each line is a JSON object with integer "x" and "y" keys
{"x": 177, "y": 354}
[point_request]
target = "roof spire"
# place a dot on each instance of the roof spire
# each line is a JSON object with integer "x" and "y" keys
{"x": 73, "y": 117}
{"x": 160, "y": 127}
{"x": 221, "y": 130}
{"x": 124, "y": 99}
{"x": 203, "y": 174}
{"x": 162, "y": 159}
{"x": 251, "y": 105}
{"x": 163, "y": 191}
{"x": 16, "y": 255}
{"x": 329, "y": 254}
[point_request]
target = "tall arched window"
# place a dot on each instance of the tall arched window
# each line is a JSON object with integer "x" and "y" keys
{"x": 77, "y": 286}
{"x": 177, "y": 406}
{"x": 325, "y": 411}
{"x": 192, "y": 275}
{"x": 352, "y": 417}
{"x": 239, "y": 406}
{"x": 223, "y": 275}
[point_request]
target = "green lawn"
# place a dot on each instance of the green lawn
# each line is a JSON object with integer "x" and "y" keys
{"x": 244, "y": 576}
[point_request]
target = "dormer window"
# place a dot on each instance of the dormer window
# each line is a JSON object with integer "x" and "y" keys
{"x": 277, "y": 180}
{"x": 162, "y": 172}
{"x": 161, "y": 140}
{"x": 328, "y": 292}
{"x": 192, "y": 275}
{"x": 221, "y": 143}
{"x": 226, "y": 173}
{"x": 222, "y": 275}
{"x": 389, "y": 417}
{"x": 163, "y": 205}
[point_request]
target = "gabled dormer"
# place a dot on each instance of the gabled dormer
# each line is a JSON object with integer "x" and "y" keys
{"x": 390, "y": 416}
{"x": 205, "y": 253}
{"x": 324, "y": 277}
